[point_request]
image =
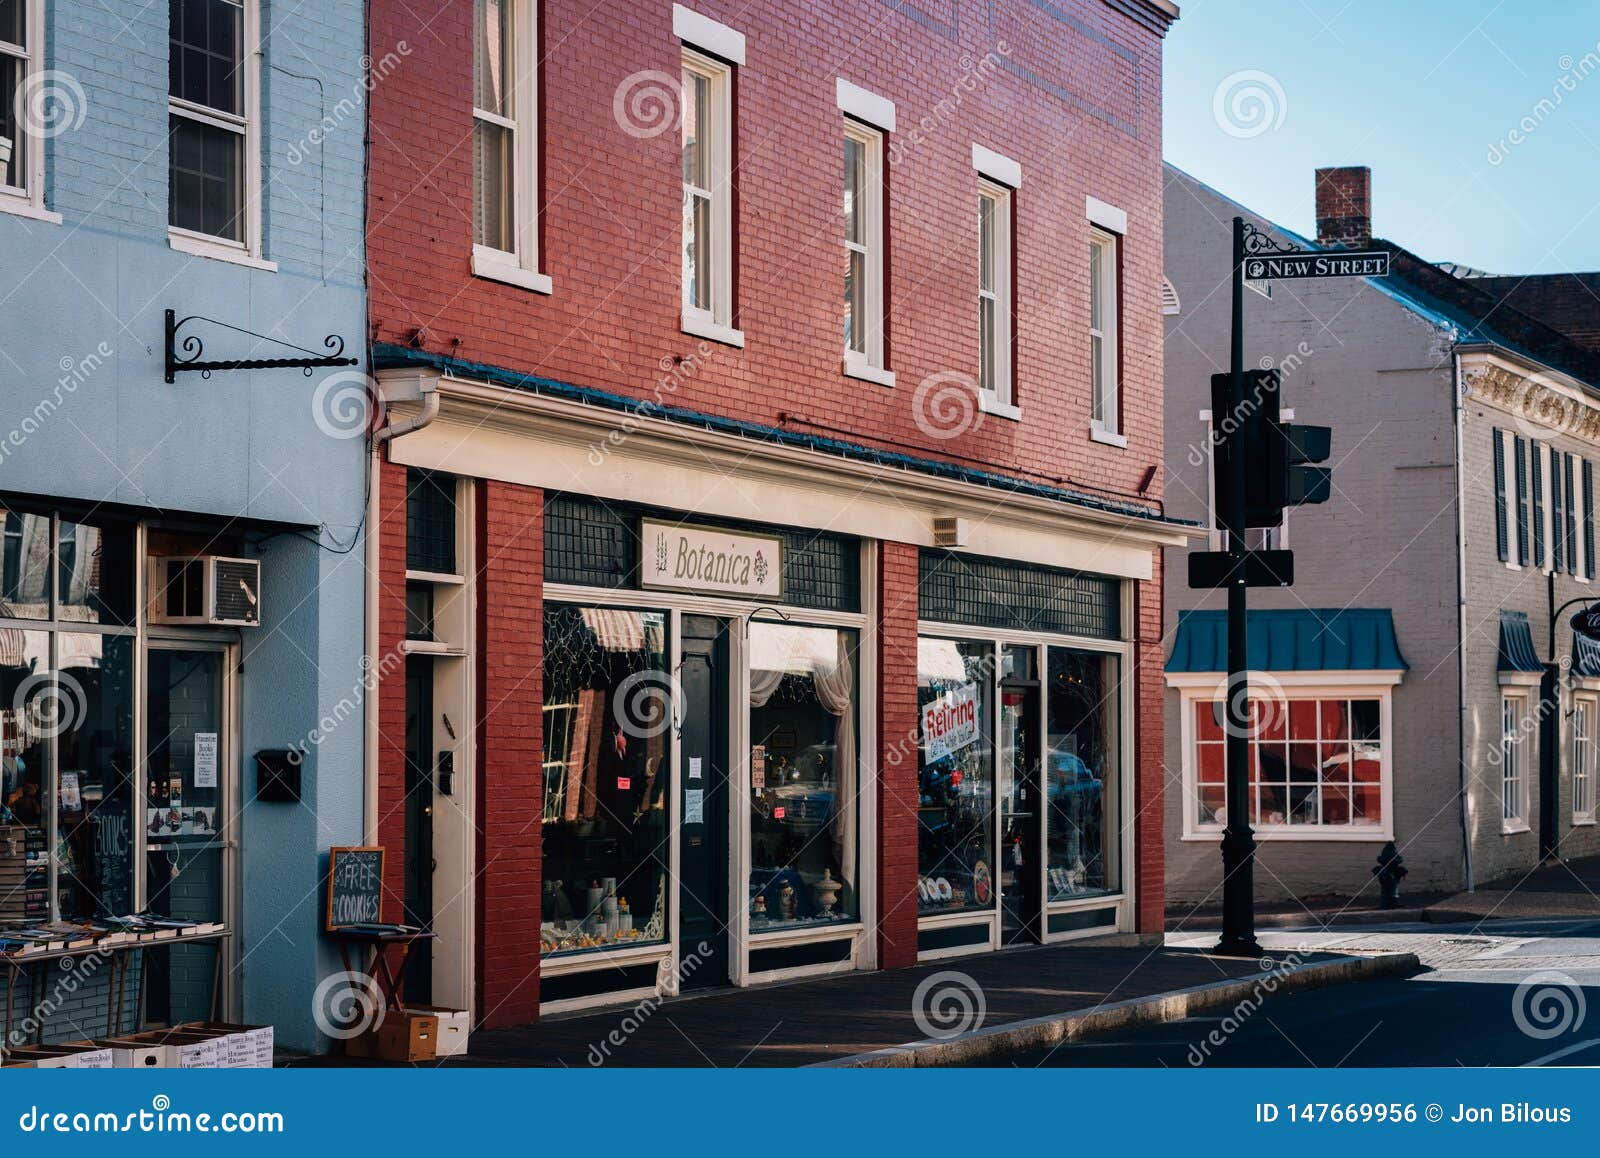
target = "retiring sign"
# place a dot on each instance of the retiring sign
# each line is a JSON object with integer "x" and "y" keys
{"x": 950, "y": 722}
{"x": 1305, "y": 264}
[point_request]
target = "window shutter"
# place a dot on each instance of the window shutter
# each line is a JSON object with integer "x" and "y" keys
{"x": 1521, "y": 447}
{"x": 1572, "y": 516}
{"x": 1557, "y": 515}
{"x": 1588, "y": 519}
{"x": 1500, "y": 496}
{"x": 1537, "y": 455}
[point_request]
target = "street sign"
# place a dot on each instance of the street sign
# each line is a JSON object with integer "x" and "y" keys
{"x": 1209, "y": 569}
{"x": 1304, "y": 264}
{"x": 1586, "y": 621}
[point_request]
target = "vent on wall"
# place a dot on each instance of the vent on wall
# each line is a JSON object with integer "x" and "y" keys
{"x": 205, "y": 590}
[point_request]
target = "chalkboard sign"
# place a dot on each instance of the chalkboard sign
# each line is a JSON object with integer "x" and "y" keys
{"x": 355, "y": 887}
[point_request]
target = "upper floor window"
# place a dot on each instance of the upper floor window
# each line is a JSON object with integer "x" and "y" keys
{"x": 1513, "y": 760}
{"x": 863, "y": 243}
{"x": 504, "y": 143}
{"x": 1105, "y": 407}
{"x": 16, "y": 62}
{"x": 213, "y": 152}
{"x": 708, "y": 198}
{"x": 994, "y": 294}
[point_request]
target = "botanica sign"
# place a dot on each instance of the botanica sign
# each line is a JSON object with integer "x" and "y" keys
{"x": 709, "y": 562}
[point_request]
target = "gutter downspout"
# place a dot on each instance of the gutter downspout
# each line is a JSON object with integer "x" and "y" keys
{"x": 385, "y": 433}
{"x": 1458, "y": 388}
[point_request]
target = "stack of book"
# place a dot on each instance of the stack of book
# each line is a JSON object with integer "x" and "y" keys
{"x": 102, "y": 932}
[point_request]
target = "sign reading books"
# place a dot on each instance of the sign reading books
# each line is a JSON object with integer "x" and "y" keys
{"x": 355, "y": 887}
{"x": 705, "y": 561}
{"x": 950, "y": 722}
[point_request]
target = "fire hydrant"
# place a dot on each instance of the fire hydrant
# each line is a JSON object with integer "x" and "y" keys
{"x": 1389, "y": 870}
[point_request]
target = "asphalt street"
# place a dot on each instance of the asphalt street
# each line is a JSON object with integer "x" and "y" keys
{"x": 1496, "y": 993}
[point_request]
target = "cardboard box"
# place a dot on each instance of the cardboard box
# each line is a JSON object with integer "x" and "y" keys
{"x": 127, "y": 1054}
{"x": 86, "y": 1055}
{"x": 43, "y": 1057}
{"x": 249, "y": 1047}
{"x": 403, "y": 1036}
{"x": 455, "y": 1026}
{"x": 182, "y": 1051}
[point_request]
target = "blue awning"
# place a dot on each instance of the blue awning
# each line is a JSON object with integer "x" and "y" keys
{"x": 1356, "y": 639}
{"x": 1585, "y": 656}
{"x": 1516, "y": 643}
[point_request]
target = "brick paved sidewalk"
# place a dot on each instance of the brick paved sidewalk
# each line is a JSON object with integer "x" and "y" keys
{"x": 1566, "y": 889}
{"x": 820, "y": 1020}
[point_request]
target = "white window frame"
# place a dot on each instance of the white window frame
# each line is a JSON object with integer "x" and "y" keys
{"x": 869, "y": 364}
{"x": 1001, "y": 399}
{"x": 1513, "y": 762}
{"x": 248, "y": 126}
{"x": 715, "y": 323}
{"x": 27, "y": 200}
{"x": 1273, "y": 538}
{"x": 1200, "y": 687}
{"x": 1105, "y": 409}
{"x": 1585, "y": 715}
{"x": 518, "y": 266}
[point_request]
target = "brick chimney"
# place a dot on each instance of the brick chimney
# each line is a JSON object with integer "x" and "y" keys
{"x": 1344, "y": 206}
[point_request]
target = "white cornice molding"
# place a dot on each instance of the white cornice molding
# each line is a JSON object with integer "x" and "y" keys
{"x": 488, "y": 431}
{"x": 1542, "y": 402}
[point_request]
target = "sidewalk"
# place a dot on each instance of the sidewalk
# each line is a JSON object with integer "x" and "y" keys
{"x": 1047, "y": 990}
{"x": 1564, "y": 889}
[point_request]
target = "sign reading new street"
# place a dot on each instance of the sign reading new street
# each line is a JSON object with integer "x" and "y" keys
{"x": 706, "y": 561}
{"x": 1285, "y": 266}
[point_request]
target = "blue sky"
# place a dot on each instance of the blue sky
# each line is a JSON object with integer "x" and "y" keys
{"x": 1428, "y": 93}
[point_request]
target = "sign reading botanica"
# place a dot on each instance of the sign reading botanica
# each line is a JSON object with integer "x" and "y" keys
{"x": 709, "y": 562}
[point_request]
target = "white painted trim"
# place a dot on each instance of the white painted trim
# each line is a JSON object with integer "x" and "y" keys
{"x": 1106, "y": 215}
{"x": 707, "y": 34}
{"x": 1098, "y": 433}
{"x": 21, "y": 206}
{"x": 198, "y": 245}
{"x": 700, "y": 326}
{"x": 497, "y": 265}
{"x": 997, "y": 167}
{"x": 29, "y": 201}
{"x": 855, "y": 101}
{"x": 871, "y": 246}
{"x": 1520, "y": 679}
{"x": 989, "y": 404}
{"x": 855, "y": 366}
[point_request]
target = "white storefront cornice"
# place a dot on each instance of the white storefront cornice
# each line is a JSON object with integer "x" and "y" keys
{"x": 558, "y": 444}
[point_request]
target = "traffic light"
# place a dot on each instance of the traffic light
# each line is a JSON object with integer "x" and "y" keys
{"x": 1278, "y": 456}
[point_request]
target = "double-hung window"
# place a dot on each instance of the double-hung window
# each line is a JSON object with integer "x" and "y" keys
{"x": 213, "y": 128}
{"x": 1105, "y": 415}
{"x": 505, "y": 235}
{"x": 994, "y": 297}
{"x": 21, "y": 153}
{"x": 1583, "y": 758}
{"x": 708, "y": 198}
{"x": 863, "y": 243}
{"x": 1513, "y": 761}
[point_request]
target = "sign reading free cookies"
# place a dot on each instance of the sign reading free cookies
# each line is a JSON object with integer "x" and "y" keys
{"x": 705, "y": 561}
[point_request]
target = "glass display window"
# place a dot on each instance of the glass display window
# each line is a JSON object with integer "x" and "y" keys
{"x": 1082, "y": 774}
{"x": 956, "y": 776}
{"x": 608, "y": 719}
{"x": 804, "y": 776}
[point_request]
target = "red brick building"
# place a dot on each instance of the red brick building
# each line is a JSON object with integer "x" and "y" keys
{"x": 769, "y": 510}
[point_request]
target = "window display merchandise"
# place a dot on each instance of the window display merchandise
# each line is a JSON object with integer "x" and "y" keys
{"x": 955, "y": 806}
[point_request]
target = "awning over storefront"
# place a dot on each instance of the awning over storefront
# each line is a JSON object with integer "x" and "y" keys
{"x": 1355, "y": 639}
{"x": 1516, "y": 643}
{"x": 1585, "y": 656}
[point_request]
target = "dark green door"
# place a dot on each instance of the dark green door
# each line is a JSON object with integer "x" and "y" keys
{"x": 703, "y": 804}
{"x": 419, "y": 822}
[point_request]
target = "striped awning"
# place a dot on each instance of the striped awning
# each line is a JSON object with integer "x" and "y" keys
{"x": 1516, "y": 643}
{"x": 614, "y": 628}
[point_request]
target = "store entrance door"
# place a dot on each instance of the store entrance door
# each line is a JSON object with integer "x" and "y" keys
{"x": 703, "y": 804}
{"x": 1020, "y": 798}
{"x": 419, "y": 858}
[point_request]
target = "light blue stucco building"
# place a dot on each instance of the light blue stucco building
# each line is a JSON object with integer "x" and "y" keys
{"x": 203, "y": 157}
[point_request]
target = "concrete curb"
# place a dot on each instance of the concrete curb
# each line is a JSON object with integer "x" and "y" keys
{"x": 1212, "y": 923}
{"x": 1061, "y": 1028}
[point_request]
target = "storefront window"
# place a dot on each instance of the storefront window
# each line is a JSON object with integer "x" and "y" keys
{"x": 94, "y": 787}
{"x": 1083, "y": 770}
{"x": 1314, "y": 763}
{"x": 608, "y": 718}
{"x": 803, "y": 776}
{"x": 24, "y": 849}
{"x": 955, "y": 807}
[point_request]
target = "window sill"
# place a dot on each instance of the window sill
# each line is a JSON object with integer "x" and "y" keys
{"x": 989, "y": 404}
{"x": 1514, "y": 828}
{"x": 23, "y": 207}
{"x": 1583, "y": 822}
{"x": 1098, "y": 433}
{"x": 868, "y": 373}
{"x": 1308, "y": 834}
{"x": 195, "y": 246}
{"x": 494, "y": 265}
{"x": 705, "y": 328}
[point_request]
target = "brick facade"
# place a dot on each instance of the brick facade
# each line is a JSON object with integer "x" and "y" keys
{"x": 1071, "y": 92}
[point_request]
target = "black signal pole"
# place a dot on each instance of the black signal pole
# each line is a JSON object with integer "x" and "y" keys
{"x": 1238, "y": 842}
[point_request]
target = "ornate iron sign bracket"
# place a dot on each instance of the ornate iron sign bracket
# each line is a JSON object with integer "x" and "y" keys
{"x": 194, "y": 351}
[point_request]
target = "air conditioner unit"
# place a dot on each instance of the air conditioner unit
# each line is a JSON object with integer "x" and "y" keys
{"x": 205, "y": 590}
